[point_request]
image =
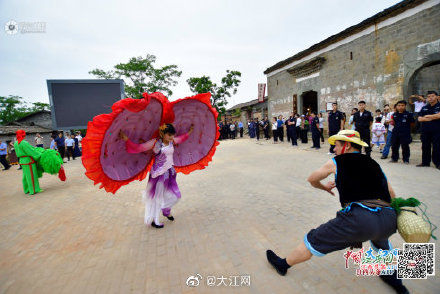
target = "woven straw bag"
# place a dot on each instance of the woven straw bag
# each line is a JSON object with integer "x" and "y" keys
{"x": 412, "y": 227}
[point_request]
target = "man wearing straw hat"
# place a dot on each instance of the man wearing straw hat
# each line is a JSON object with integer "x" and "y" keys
{"x": 365, "y": 195}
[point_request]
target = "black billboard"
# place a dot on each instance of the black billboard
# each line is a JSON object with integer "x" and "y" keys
{"x": 75, "y": 102}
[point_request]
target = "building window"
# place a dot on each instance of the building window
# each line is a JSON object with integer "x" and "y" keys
{"x": 351, "y": 55}
{"x": 277, "y": 82}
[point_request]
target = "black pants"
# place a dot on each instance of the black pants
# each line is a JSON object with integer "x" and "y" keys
{"x": 62, "y": 151}
{"x": 353, "y": 226}
{"x": 280, "y": 132}
{"x": 322, "y": 134}
{"x": 304, "y": 137}
{"x": 332, "y": 147}
{"x": 39, "y": 145}
{"x": 266, "y": 133}
{"x": 417, "y": 124}
{"x": 257, "y": 133}
{"x": 315, "y": 138}
{"x": 293, "y": 136}
{"x": 288, "y": 133}
{"x": 241, "y": 132}
{"x": 4, "y": 161}
{"x": 431, "y": 138}
{"x": 396, "y": 141}
{"x": 298, "y": 132}
{"x": 70, "y": 152}
{"x": 275, "y": 135}
{"x": 366, "y": 137}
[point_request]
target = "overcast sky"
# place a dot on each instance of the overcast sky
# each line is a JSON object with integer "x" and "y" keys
{"x": 201, "y": 37}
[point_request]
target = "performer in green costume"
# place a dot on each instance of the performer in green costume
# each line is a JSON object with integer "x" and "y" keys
{"x": 35, "y": 161}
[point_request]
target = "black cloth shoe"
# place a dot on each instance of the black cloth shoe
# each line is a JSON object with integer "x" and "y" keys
{"x": 383, "y": 157}
{"x": 171, "y": 218}
{"x": 279, "y": 264}
{"x": 153, "y": 224}
{"x": 395, "y": 283}
{"x": 421, "y": 165}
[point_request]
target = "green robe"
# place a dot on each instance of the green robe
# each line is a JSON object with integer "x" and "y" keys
{"x": 30, "y": 171}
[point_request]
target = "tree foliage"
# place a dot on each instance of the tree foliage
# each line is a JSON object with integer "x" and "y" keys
{"x": 229, "y": 86}
{"x": 14, "y": 107}
{"x": 39, "y": 106}
{"x": 140, "y": 75}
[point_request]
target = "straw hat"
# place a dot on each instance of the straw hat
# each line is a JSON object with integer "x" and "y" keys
{"x": 348, "y": 136}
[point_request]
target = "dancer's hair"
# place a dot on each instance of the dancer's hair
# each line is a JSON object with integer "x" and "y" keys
{"x": 166, "y": 129}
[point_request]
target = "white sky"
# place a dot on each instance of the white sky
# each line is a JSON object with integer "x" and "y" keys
{"x": 201, "y": 37}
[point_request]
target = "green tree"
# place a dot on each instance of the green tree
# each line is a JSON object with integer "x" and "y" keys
{"x": 15, "y": 107}
{"x": 140, "y": 75}
{"x": 229, "y": 86}
{"x": 237, "y": 112}
{"x": 12, "y": 108}
{"x": 39, "y": 106}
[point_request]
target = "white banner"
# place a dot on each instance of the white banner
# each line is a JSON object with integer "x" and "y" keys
{"x": 261, "y": 92}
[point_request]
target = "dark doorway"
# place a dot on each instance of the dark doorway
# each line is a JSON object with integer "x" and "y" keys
{"x": 309, "y": 102}
{"x": 427, "y": 78}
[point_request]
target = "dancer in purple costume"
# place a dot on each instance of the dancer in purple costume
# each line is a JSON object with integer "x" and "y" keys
{"x": 162, "y": 191}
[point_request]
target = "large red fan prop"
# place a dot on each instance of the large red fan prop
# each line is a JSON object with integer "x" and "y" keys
{"x": 104, "y": 155}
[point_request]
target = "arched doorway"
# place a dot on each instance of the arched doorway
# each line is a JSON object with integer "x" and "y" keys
{"x": 309, "y": 102}
{"x": 426, "y": 78}
{"x": 422, "y": 75}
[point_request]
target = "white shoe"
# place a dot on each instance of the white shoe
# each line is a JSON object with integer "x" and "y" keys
{"x": 329, "y": 153}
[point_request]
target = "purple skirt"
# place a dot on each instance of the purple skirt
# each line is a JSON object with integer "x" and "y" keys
{"x": 160, "y": 195}
{"x": 167, "y": 180}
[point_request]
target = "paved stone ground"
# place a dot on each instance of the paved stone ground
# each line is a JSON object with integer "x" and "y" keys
{"x": 74, "y": 238}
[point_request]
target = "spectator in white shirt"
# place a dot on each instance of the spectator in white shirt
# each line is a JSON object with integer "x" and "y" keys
{"x": 418, "y": 101}
{"x": 321, "y": 126}
{"x": 390, "y": 124}
{"x": 70, "y": 144}
{"x": 350, "y": 121}
{"x": 274, "y": 129}
{"x": 298, "y": 125}
{"x": 38, "y": 140}
{"x": 79, "y": 137}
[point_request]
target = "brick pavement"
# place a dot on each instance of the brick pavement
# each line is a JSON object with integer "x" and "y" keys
{"x": 74, "y": 238}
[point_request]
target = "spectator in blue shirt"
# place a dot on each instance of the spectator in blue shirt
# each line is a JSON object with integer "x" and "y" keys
{"x": 240, "y": 127}
{"x": 3, "y": 152}
{"x": 280, "y": 129}
{"x": 61, "y": 147}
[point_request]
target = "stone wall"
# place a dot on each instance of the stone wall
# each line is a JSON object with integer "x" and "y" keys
{"x": 378, "y": 67}
{"x": 30, "y": 138}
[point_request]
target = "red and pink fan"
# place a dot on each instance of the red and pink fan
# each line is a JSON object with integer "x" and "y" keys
{"x": 104, "y": 156}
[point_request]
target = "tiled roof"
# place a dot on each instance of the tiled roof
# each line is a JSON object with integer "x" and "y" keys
{"x": 381, "y": 16}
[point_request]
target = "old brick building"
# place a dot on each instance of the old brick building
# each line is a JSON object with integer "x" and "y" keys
{"x": 385, "y": 58}
{"x": 37, "y": 122}
{"x": 40, "y": 118}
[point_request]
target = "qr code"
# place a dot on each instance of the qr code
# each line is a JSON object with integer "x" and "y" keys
{"x": 416, "y": 261}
